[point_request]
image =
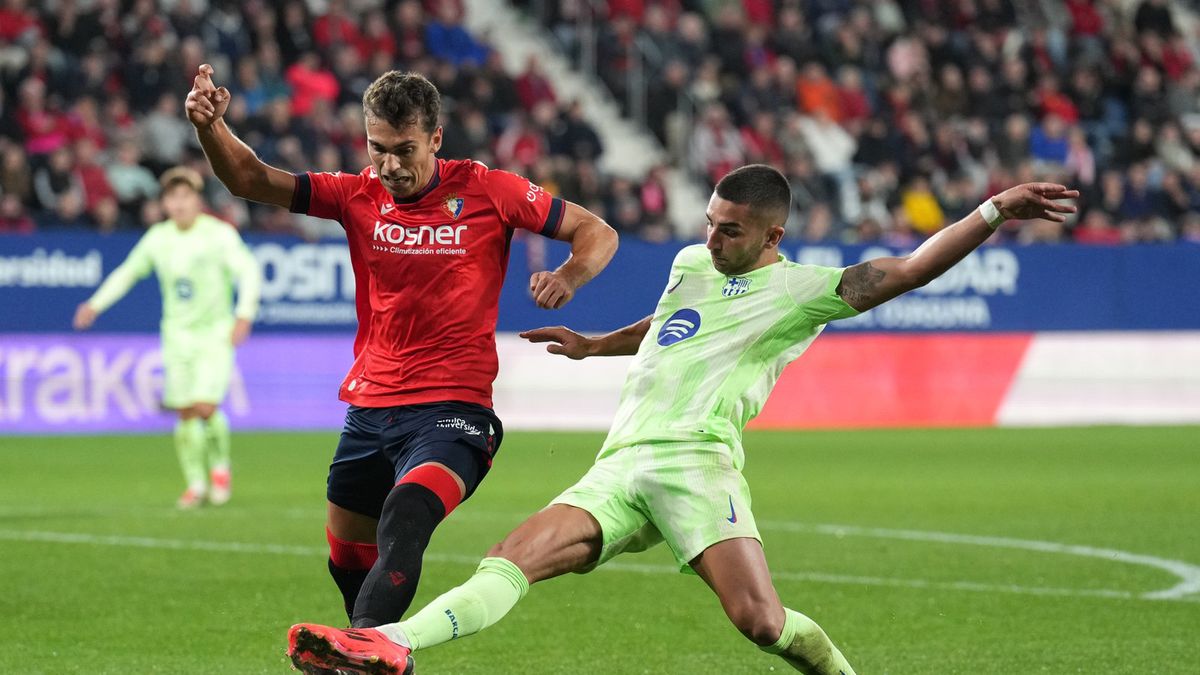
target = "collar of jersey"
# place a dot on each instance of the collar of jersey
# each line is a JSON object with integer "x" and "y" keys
{"x": 433, "y": 183}
{"x": 743, "y": 276}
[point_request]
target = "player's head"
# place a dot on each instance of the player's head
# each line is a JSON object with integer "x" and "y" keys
{"x": 746, "y": 214}
{"x": 401, "y": 112}
{"x": 181, "y": 190}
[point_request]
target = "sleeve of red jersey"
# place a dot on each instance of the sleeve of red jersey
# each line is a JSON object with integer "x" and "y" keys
{"x": 324, "y": 195}
{"x": 522, "y": 203}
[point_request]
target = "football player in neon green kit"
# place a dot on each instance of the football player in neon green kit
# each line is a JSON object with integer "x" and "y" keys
{"x": 732, "y": 315}
{"x": 196, "y": 258}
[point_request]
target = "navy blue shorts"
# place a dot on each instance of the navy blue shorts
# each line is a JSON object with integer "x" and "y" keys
{"x": 379, "y": 445}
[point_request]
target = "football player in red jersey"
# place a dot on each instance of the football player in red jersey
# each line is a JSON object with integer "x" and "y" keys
{"x": 429, "y": 245}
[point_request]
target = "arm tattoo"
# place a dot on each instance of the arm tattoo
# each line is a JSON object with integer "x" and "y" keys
{"x": 859, "y": 284}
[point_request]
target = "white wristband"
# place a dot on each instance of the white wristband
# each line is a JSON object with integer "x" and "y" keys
{"x": 991, "y": 214}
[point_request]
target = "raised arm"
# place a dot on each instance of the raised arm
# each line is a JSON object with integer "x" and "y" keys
{"x": 593, "y": 244}
{"x": 567, "y": 342}
{"x": 233, "y": 162}
{"x": 874, "y": 282}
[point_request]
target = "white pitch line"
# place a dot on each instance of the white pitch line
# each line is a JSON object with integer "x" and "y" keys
{"x": 1189, "y": 574}
{"x": 637, "y": 568}
{"x": 1188, "y": 587}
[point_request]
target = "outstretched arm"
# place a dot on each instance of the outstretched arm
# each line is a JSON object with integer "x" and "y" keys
{"x": 593, "y": 244}
{"x": 233, "y": 162}
{"x": 874, "y": 282}
{"x": 137, "y": 265}
{"x": 567, "y": 342}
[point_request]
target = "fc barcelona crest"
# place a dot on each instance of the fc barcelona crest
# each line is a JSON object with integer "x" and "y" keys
{"x": 453, "y": 206}
{"x": 735, "y": 286}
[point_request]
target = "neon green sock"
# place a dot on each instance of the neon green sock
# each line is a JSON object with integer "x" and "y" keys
{"x": 217, "y": 427}
{"x": 807, "y": 648}
{"x": 480, "y": 602}
{"x": 189, "y": 445}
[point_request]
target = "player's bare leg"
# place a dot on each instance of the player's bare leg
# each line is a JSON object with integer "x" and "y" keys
{"x": 189, "y": 446}
{"x": 554, "y": 541}
{"x": 736, "y": 570}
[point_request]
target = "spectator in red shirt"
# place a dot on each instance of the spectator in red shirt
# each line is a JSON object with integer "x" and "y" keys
{"x": 1086, "y": 20}
{"x": 334, "y": 27}
{"x": 533, "y": 86}
{"x": 1052, "y": 101}
{"x": 83, "y": 122}
{"x": 100, "y": 200}
{"x": 521, "y": 144}
{"x": 852, "y": 98}
{"x": 1098, "y": 229}
{"x": 654, "y": 199}
{"x": 376, "y": 37}
{"x": 13, "y": 218}
{"x": 17, "y": 21}
{"x": 310, "y": 80}
{"x": 45, "y": 130}
{"x": 632, "y": 9}
{"x": 759, "y": 12}
{"x": 759, "y": 140}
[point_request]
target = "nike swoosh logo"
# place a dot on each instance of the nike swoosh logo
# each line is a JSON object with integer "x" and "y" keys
{"x": 672, "y": 289}
{"x": 732, "y": 514}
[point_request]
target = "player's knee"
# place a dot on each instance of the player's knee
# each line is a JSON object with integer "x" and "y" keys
{"x": 410, "y": 511}
{"x": 757, "y": 621}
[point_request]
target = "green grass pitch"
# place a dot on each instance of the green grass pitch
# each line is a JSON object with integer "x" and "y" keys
{"x": 916, "y": 550}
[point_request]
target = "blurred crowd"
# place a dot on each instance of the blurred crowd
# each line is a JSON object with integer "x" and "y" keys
{"x": 893, "y": 118}
{"x": 92, "y": 94}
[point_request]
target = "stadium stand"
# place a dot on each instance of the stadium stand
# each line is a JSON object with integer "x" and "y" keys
{"x": 895, "y": 117}
{"x": 891, "y": 118}
{"x": 101, "y": 84}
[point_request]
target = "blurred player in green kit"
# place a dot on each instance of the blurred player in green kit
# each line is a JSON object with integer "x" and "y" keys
{"x": 197, "y": 259}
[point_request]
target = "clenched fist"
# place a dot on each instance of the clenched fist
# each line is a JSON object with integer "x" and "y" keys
{"x": 550, "y": 290}
{"x": 206, "y": 103}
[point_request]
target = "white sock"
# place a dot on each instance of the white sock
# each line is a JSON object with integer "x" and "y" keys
{"x": 393, "y": 632}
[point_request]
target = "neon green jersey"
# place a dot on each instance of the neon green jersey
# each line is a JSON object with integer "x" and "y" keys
{"x": 716, "y": 347}
{"x": 196, "y": 269}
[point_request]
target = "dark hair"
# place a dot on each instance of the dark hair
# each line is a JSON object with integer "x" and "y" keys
{"x": 762, "y": 187}
{"x": 403, "y": 99}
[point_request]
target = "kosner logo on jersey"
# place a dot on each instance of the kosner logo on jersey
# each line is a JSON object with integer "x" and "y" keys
{"x": 418, "y": 235}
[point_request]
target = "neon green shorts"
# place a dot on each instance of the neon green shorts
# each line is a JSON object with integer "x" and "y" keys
{"x": 685, "y": 494}
{"x": 196, "y": 370}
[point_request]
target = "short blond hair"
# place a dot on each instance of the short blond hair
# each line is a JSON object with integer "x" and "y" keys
{"x": 182, "y": 175}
